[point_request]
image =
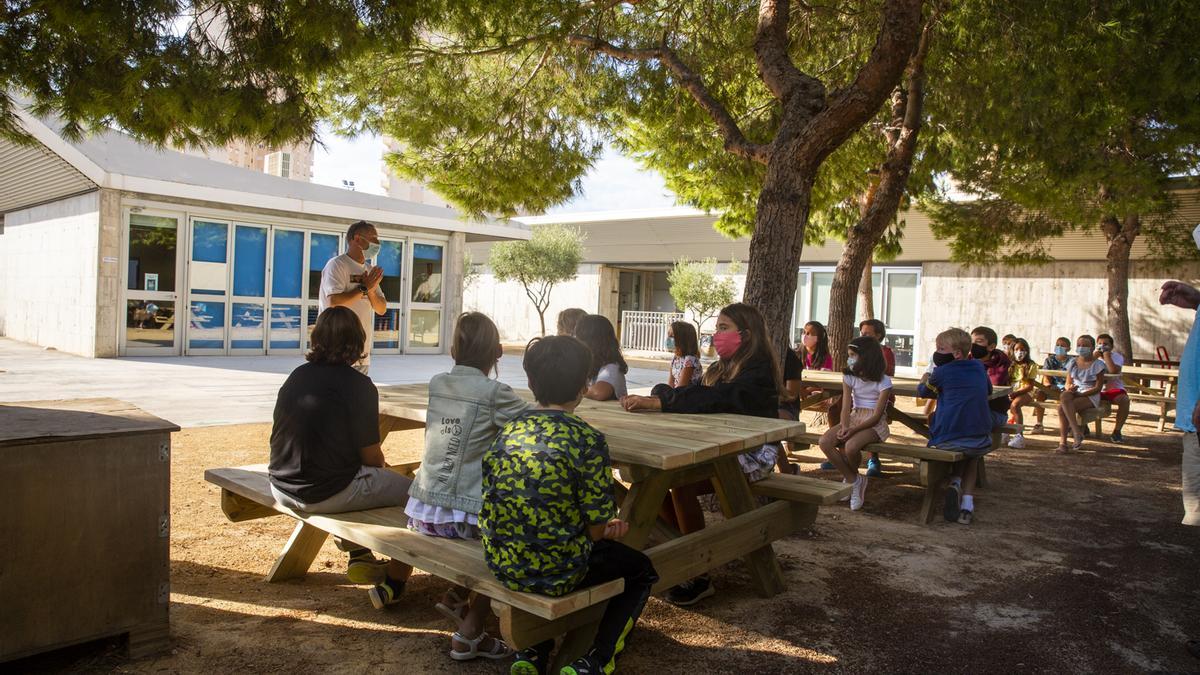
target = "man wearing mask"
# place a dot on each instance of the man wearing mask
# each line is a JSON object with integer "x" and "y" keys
{"x": 348, "y": 281}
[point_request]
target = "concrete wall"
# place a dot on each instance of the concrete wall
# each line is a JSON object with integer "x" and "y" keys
{"x": 513, "y": 312}
{"x": 1042, "y": 303}
{"x": 48, "y": 274}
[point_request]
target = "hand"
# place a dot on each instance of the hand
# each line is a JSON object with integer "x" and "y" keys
{"x": 615, "y": 529}
{"x": 372, "y": 278}
{"x": 635, "y": 403}
{"x": 843, "y": 434}
{"x": 1179, "y": 294}
{"x": 1074, "y": 389}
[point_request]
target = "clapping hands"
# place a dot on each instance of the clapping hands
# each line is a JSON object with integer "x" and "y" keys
{"x": 1179, "y": 294}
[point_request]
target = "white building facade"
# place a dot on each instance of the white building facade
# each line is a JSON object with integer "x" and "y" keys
{"x": 921, "y": 293}
{"x": 111, "y": 248}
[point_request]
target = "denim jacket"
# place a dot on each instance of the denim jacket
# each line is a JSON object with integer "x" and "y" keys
{"x": 466, "y": 411}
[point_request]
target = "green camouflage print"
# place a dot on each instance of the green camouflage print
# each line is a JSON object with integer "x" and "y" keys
{"x": 546, "y": 478}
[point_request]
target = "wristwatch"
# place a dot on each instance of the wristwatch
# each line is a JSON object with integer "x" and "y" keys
{"x": 363, "y": 288}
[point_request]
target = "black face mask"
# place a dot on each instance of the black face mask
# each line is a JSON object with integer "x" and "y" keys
{"x": 979, "y": 352}
{"x": 940, "y": 359}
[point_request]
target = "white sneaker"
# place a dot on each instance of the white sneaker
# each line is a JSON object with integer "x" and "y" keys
{"x": 858, "y": 493}
{"x": 847, "y": 497}
{"x": 1018, "y": 441}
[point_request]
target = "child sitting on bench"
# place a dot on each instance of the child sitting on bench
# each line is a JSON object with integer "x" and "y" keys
{"x": 548, "y": 519}
{"x": 466, "y": 410}
{"x": 963, "y": 421}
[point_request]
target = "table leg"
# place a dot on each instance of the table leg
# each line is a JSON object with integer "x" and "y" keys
{"x": 933, "y": 475}
{"x": 388, "y": 424}
{"x": 298, "y": 554}
{"x": 895, "y": 415}
{"x": 736, "y": 499}
{"x": 641, "y": 506}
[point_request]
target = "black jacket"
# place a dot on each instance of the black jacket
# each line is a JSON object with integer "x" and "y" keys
{"x": 752, "y": 392}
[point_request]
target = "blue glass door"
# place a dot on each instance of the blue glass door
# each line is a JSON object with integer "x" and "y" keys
{"x": 247, "y": 325}
{"x": 287, "y": 291}
{"x": 208, "y": 288}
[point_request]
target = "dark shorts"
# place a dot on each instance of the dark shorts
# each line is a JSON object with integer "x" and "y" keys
{"x": 1112, "y": 394}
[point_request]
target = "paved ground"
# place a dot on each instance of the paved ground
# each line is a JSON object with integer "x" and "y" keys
{"x": 194, "y": 391}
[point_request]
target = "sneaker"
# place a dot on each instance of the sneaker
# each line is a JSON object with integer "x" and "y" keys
{"x": 584, "y": 665}
{"x": 964, "y": 517}
{"x": 691, "y": 591}
{"x": 387, "y": 593}
{"x": 847, "y": 497}
{"x": 827, "y": 466}
{"x": 1078, "y": 441}
{"x": 366, "y": 570}
{"x": 874, "y": 468}
{"x": 858, "y": 494}
{"x": 1117, "y": 437}
{"x": 1037, "y": 429}
{"x": 1017, "y": 441}
{"x": 532, "y": 660}
{"x": 950, "y": 509}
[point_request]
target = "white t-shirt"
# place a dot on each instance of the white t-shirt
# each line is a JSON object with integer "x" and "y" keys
{"x": 612, "y": 374}
{"x": 865, "y": 394}
{"x": 341, "y": 274}
{"x": 1114, "y": 381}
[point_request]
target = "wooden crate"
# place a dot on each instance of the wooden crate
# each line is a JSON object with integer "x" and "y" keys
{"x": 85, "y": 525}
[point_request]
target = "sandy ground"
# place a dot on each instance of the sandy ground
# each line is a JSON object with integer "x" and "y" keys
{"x": 1074, "y": 563}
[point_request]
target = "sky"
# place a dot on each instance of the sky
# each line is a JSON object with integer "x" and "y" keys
{"x": 614, "y": 183}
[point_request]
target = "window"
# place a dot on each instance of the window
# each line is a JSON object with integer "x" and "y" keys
{"x": 278, "y": 164}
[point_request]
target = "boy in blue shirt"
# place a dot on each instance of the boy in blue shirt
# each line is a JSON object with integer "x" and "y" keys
{"x": 963, "y": 421}
{"x": 548, "y": 518}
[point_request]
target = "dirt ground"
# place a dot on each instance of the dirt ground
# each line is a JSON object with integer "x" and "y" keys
{"x": 1074, "y": 563}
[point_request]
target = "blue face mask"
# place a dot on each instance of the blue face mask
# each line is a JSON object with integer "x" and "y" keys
{"x": 850, "y": 361}
{"x": 1084, "y": 350}
{"x": 670, "y": 344}
{"x": 1060, "y": 351}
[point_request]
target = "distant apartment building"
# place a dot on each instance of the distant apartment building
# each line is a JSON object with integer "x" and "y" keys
{"x": 399, "y": 188}
{"x": 294, "y": 161}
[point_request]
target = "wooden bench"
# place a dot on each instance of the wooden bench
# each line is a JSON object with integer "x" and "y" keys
{"x": 525, "y": 618}
{"x": 1094, "y": 416}
{"x": 934, "y": 466}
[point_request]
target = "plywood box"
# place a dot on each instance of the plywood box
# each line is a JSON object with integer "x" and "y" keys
{"x": 85, "y": 525}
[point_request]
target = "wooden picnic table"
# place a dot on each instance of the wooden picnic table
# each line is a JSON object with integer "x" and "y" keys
{"x": 831, "y": 384}
{"x": 655, "y": 452}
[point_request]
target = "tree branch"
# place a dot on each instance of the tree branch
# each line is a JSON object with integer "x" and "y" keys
{"x": 775, "y": 66}
{"x": 735, "y": 141}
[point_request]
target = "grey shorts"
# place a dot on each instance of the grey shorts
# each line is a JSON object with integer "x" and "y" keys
{"x": 372, "y": 488}
{"x": 1191, "y": 479}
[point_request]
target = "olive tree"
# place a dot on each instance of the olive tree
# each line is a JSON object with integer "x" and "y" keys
{"x": 551, "y": 256}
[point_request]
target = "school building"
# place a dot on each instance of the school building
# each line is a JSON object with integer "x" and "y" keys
{"x": 109, "y": 247}
{"x": 919, "y": 294}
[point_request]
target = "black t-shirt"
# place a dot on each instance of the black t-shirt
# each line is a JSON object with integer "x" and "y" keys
{"x": 793, "y": 367}
{"x": 324, "y": 416}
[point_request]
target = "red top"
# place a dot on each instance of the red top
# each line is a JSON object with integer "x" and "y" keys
{"x": 889, "y": 358}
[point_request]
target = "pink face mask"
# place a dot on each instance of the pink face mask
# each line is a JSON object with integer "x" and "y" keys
{"x": 809, "y": 340}
{"x": 726, "y": 343}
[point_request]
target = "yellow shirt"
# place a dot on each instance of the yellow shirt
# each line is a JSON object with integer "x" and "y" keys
{"x": 1023, "y": 372}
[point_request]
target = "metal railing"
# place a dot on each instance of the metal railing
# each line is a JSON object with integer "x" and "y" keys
{"x": 646, "y": 331}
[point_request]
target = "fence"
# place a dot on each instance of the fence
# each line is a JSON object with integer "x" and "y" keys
{"x": 646, "y": 331}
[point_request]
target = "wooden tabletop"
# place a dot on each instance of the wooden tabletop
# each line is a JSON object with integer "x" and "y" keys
{"x": 651, "y": 439}
{"x": 27, "y": 422}
{"x": 901, "y": 386}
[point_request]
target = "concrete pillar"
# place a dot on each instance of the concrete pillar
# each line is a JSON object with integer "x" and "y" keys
{"x": 109, "y": 314}
{"x": 453, "y": 267}
{"x": 610, "y": 293}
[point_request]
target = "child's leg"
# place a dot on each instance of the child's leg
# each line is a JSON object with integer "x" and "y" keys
{"x": 1122, "y": 402}
{"x": 1066, "y": 416}
{"x": 472, "y": 627}
{"x": 1038, "y": 412}
{"x": 829, "y": 446}
{"x": 613, "y": 560}
{"x": 854, "y": 446}
{"x": 1015, "y": 408}
{"x": 970, "y": 471}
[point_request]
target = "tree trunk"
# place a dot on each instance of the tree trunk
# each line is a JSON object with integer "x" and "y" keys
{"x": 776, "y": 246}
{"x": 1120, "y": 236}
{"x": 866, "y": 298}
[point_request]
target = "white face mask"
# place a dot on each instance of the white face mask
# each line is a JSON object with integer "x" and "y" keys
{"x": 1019, "y": 354}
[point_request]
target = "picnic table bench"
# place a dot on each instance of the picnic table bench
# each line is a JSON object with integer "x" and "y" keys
{"x": 934, "y": 465}
{"x": 654, "y": 453}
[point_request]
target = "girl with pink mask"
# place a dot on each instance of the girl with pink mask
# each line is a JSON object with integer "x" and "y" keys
{"x": 814, "y": 347}
{"x": 747, "y": 380}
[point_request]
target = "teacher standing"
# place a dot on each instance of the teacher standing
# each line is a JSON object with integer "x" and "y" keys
{"x": 348, "y": 281}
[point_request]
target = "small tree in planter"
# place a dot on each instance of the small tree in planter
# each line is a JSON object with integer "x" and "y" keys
{"x": 550, "y": 257}
{"x": 697, "y": 289}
